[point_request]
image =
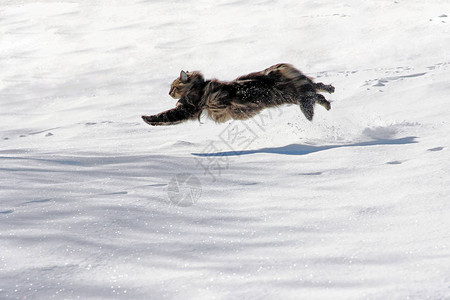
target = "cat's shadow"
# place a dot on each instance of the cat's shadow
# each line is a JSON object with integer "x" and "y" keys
{"x": 298, "y": 149}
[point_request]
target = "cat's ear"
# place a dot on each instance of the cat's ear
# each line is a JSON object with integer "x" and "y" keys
{"x": 183, "y": 76}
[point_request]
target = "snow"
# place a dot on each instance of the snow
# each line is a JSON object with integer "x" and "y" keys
{"x": 354, "y": 205}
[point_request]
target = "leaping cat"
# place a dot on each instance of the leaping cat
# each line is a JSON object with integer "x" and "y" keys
{"x": 243, "y": 97}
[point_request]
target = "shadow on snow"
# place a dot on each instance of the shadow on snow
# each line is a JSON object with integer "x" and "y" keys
{"x": 298, "y": 149}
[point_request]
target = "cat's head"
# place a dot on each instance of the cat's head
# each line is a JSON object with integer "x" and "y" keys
{"x": 184, "y": 83}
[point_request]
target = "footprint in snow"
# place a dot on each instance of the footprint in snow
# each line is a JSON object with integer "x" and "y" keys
{"x": 394, "y": 162}
{"x": 373, "y": 210}
{"x": 436, "y": 149}
{"x": 114, "y": 193}
{"x": 157, "y": 184}
{"x": 311, "y": 174}
{"x": 37, "y": 201}
{"x": 384, "y": 81}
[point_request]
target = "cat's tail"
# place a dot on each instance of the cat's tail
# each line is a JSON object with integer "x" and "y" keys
{"x": 307, "y": 107}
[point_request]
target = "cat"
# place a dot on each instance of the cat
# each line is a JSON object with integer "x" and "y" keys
{"x": 243, "y": 97}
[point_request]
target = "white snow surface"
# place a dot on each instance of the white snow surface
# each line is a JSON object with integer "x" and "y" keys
{"x": 354, "y": 205}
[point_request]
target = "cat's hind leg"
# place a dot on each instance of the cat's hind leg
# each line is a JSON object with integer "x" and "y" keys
{"x": 307, "y": 104}
{"x": 322, "y": 101}
{"x": 320, "y": 87}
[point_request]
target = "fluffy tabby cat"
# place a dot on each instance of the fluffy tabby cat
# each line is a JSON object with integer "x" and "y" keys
{"x": 243, "y": 97}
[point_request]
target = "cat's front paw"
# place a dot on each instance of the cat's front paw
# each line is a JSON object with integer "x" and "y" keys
{"x": 150, "y": 120}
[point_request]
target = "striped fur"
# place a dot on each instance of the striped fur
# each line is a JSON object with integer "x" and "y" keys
{"x": 243, "y": 97}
